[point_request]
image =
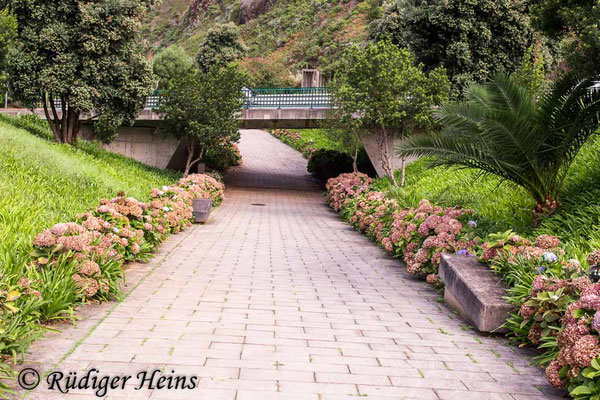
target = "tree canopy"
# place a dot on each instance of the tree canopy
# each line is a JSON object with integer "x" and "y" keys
{"x": 8, "y": 31}
{"x": 203, "y": 108}
{"x": 576, "y": 23}
{"x": 220, "y": 47}
{"x": 472, "y": 39}
{"x": 85, "y": 56}
{"x": 169, "y": 63}
{"x": 381, "y": 90}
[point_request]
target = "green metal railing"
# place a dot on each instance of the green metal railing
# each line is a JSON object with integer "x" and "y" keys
{"x": 316, "y": 97}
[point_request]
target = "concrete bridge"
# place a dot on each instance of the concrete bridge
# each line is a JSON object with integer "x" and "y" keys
{"x": 273, "y": 108}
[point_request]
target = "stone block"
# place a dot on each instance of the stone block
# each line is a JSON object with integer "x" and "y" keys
{"x": 475, "y": 291}
{"x": 202, "y": 208}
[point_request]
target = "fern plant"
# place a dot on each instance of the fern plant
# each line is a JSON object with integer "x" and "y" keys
{"x": 499, "y": 130}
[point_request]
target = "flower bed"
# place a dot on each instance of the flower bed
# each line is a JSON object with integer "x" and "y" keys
{"x": 557, "y": 307}
{"x": 121, "y": 229}
{"x": 417, "y": 235}
{"x": 79, "y": 261}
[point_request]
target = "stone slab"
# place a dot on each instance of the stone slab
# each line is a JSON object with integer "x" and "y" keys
{"x": 475, "y": 291}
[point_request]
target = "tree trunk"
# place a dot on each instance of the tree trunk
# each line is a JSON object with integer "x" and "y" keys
{"x": 66, "y": 127}
{"x": 190, "y": 162}
{"x": 403, "y": 163}
{"x": 354, "y": 160}
{"x": 53, "y": 127}
{"x": 544, "y": 208}
{"x": 384, "y": 150}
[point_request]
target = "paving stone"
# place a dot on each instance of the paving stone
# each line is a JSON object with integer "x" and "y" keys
{"x": 285, "y": 301}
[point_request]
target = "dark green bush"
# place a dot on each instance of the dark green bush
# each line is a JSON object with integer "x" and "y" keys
{"x": 325, "y": 164}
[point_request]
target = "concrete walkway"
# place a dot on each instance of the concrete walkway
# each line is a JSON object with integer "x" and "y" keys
{"x": 277, "y": 298}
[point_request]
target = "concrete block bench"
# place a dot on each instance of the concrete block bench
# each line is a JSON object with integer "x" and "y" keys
{"x": 474, "y": 291}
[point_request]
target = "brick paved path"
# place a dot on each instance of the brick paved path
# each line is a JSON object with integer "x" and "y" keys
{"x": 285, "y": 301}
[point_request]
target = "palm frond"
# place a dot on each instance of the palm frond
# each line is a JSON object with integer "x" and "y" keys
{"x": 498, "y": 130}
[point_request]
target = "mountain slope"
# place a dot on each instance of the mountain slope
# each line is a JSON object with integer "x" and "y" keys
{"x": 282, "y": 36}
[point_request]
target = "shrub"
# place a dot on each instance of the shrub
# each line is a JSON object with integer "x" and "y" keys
{"x": 223, "y": 157}
{"x": 417, "y": 235}
{"x": 326, "y": 164}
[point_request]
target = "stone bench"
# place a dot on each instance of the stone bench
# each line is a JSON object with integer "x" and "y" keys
{"x": 474, "y": 291}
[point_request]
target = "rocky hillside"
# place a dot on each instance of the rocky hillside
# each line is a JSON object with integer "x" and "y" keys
{"x": 282, "y": 36}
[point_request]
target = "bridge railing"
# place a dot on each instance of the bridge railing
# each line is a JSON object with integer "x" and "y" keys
{"x": 315, "y": 97}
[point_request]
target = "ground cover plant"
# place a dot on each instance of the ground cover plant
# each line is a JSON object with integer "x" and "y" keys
{"x": 70, "y": 217}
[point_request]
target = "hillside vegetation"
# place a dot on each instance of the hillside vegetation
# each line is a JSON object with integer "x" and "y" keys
{"x": 288, "y": 36}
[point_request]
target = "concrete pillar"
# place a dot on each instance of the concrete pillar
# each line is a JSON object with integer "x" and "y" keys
{"x": 372, "y": 149}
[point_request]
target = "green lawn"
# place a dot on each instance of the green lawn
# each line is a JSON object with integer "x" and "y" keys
{"x": 320, "y": 138}
{"x": 44, "y": 183}
{"x": 312, "y": 138}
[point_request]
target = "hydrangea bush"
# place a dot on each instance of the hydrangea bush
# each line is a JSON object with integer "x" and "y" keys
{"x": 417, "y": 235}
{"x": 120, "y": 229}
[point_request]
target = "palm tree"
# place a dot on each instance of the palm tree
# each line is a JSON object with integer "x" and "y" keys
{"x": 499, "y": 130}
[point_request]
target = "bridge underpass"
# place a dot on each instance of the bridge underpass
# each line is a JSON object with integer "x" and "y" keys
{"x": 281, "y": 108}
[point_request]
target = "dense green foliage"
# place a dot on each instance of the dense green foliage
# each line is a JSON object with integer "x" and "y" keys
{"x": 326, "y": 164}
{"x": 499, "y": 130}
{"x": 473, "y": 40}
{"x": 8, "y": 31}
{"x": 380, "y": 90}
{"x": 575, "y": 22}
{"x": 204, "y": 109}
{"x": 220, "y": 47}
{"x": 169, "y": 63}
{"x": 86, "y": 56}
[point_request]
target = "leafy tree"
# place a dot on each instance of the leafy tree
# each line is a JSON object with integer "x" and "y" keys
{"x": 203, "y": 108}
{"x": 8, "y": 32}
{"x": 220, "y": 47}
{"x": 472, "y": 39}
{"x": 380, "y": 90}
{"x": 170, "y": 63}
{"x": 85, "y": 56}
{"x": 576, "y": 21}
{"x": 498, "y": 130}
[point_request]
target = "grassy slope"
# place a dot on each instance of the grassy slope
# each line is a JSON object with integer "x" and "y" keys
{"x": 503, "y": 206}
{"x": 43, "y": 183}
